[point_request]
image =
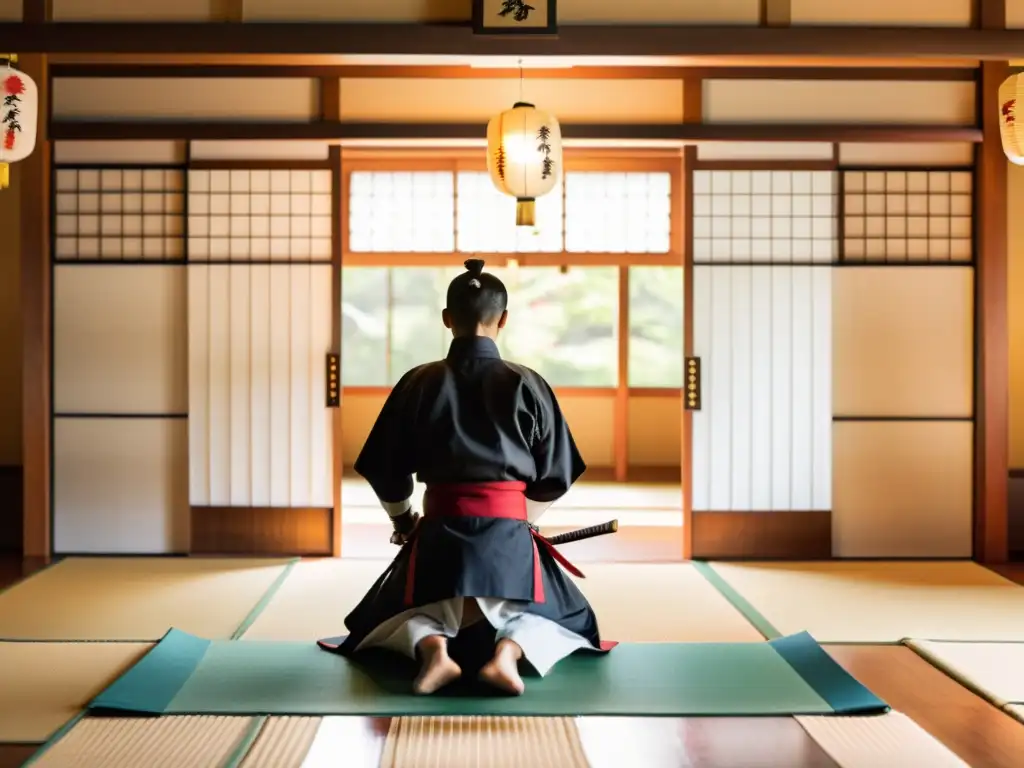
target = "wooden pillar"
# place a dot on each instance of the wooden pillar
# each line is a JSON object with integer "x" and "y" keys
{"x": 992, "y": 367}
{"x": 330, "y": 111}
{"x": 992, "y": 380}
{"x": 621, "y": 419}
{"x": 693, "y": 113}
{"x": 35, "y": 330}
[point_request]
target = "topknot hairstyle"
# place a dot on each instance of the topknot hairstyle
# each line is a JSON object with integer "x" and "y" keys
{"x": 475, "y": 298}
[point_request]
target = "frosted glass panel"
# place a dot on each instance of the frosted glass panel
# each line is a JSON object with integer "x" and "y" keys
{"x": 401, "y": 211}
{"x": 618, "y": 212}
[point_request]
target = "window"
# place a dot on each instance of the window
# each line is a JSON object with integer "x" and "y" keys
{"x": 764, "y": 217}
{"x": 564, "y": 325}
{"x": 401, "y": 212}
{"x": 561, "y": 325}
{"x": 364, "y": 326}
{"x": 487, "y": 219}
{"x": 129, "y": 214}
{"x": 655, "y": 326}
{"x": 443, "y": 212}
{"x": 410, "y": 230}
{"x": 417, "y": 334}
{"x": 894, "y": 216}
{"x": 618, "y": 212}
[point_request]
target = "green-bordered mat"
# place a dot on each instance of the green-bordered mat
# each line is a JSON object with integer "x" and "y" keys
{"x": 789, "y": 676}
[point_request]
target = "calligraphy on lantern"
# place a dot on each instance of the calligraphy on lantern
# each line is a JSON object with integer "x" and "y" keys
{"x": 11, "y": 124}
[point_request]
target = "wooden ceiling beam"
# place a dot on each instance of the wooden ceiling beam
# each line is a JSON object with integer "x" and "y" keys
{"x": 459, "y": 40}
{"x": 184, "y": 70}
{"x": 61, "y": 130}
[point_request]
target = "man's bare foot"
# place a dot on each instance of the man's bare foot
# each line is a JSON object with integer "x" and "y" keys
{"x": 436, "y": 667}
{"x": 502, "y": 671}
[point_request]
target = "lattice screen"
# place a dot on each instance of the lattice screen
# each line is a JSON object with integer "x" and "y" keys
{"x": 259, "y": 215}
{"x": 424, "y": 211}
{"x": 766, "y": 217}
{"x": 893, "y": 216}
{"x": 119, "y": 214}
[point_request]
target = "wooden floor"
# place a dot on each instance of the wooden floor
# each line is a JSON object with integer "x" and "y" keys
{"x": 977, "y": 732}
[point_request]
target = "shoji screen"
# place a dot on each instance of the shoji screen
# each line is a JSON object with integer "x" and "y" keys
{"x": 764, "y": 245}
{"x": 120, "y": 394}
{"x": 904, "y": 352}
{"x": 259, "y": 309}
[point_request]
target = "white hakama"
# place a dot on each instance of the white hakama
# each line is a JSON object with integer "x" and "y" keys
{"x": 544, "y": 642}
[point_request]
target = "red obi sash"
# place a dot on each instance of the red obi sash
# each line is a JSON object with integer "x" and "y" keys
{"x": 504, "y": 500}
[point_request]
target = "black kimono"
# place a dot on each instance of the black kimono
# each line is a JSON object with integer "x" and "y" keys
{"x": 485, "y": 436}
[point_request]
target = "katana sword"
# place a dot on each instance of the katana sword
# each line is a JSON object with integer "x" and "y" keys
{"x": 584, "y": 533}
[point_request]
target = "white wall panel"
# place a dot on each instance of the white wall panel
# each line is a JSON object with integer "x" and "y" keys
{"x": 935, "y": 154}
{"x": 259, "y": 428}
{"x": 279, "y": 99}
{"x": 120, "y": 339}
{"x": 120, "y": 486}
{"x": 839, "y": 101}
{"x": 131, "y": 153}
{"x": 762, "y": 440}
{"x": 902, "y": 489}
{"x": 767, "y": 150}
{"x": 904, "y": 341}
{"x": 260, "y": 150}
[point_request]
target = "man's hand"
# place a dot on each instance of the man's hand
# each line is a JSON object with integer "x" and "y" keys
{"x": 404, "y": 525}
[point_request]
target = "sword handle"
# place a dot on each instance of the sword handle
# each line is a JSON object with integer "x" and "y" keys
{"x": 585, "y": 533}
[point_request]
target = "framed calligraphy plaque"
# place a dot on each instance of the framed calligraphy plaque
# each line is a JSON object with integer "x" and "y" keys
{"x": 515, "y": 17}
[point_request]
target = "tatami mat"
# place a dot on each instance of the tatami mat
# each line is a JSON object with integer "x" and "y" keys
{"x": 634, "y": 603}
{"x": 135, "y": 598}
{"x": 43, "y": 685}
{"x": 472, "y": 742}
{"x": 888, "y": 741}
{"x": 851, "y": 602}
{"x": 993, "y": 670}
{"x": 284, "y": 742}
{"x": 164, "y": 742}
{"x": 314, "y": 600}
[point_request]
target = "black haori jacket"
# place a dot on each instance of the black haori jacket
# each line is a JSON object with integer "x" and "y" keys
{"x": 485, "y": 436}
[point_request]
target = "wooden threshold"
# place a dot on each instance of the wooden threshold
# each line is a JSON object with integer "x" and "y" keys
{"x": 81, "y": 130}
{"x": 1012, "y": 571}
{"x": 981, "y": 735}
{"x": 16, "y": 755}
{"x": 262, "y": 531}
{"x": 762, "y": 535}
{"x": 458, "y": 40}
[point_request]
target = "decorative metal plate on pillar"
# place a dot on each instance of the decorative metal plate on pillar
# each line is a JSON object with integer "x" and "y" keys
{"x": 692, "y": 384}
{"x": 333, "y": 380}
{"x": 515, "y": 17}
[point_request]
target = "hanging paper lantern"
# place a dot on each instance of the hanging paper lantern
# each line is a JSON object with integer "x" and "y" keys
{"x": 1011, "y": 118}
{"x": 524, "y": 156}
{"x": 19, "y": 113}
